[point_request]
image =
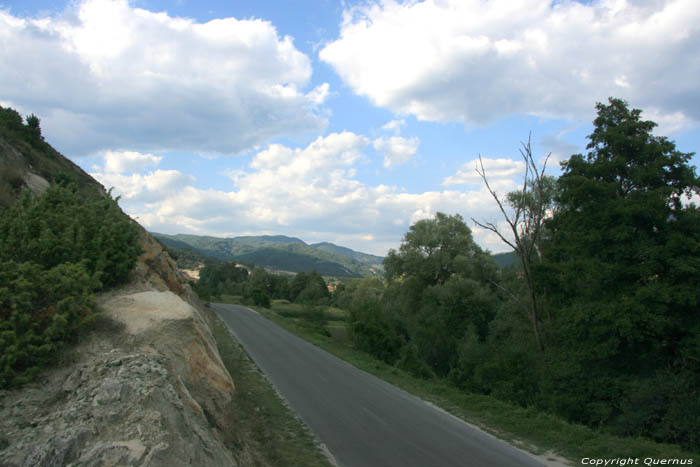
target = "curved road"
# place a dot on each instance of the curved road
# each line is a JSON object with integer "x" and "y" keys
{"x": 362, "y": 420}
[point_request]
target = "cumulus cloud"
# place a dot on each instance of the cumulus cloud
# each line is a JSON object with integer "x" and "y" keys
{"x": 475, "y": 61}
{"x": 501, "y": 173}
{"x": 129, "y": 161}
{"x": 394, "y": 125}
{"x": 312, "y": 192}
{"x": 119, "y": 172}
{"x": 396, "y": 149}
{"x": 106, "y": 75}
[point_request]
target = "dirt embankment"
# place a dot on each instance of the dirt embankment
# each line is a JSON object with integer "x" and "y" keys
{"x": 147, "y": 387}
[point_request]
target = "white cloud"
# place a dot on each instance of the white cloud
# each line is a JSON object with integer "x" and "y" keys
{"x": 475, "y": 61}
{"x": 396, "y": 149}
{"x": 106, "y": 75}
{"x": 145, "y": 188}
{"x": 669, "y": 123}
{"x": 129, "y": 161}
{"x": 311, "y": 192}
{"x": 119, "y": 171}
{"x": 500, "y": 173}
{"x": 394, "y": 125}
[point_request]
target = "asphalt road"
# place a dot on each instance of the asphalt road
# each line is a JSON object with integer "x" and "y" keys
{"x": 362, "y": 420}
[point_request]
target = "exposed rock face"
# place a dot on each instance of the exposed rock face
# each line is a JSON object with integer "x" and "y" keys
{"x": 118, "y": 407}
{"x": 16, "y": 174}
{"x": 157, "y": 270}
{"x": 146, "y": 388}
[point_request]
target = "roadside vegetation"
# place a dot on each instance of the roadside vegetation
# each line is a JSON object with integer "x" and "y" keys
{"x": 267, "y": 432}
{"x": 588, "y": 345}
{"x": 259, "y": 287}
{"x": 528, "y": 428}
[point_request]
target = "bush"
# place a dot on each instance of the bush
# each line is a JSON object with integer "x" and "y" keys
{"x": 314, "y": 318}
{"x": 55, "y": 251}
{"x": 259, "y": 298}
{"x": 40, "y": 310}
{"x": 411, "y": 362}
{"x": 59, "y": 227}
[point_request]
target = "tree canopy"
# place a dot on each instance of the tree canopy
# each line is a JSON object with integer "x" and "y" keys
{"x": 433, "y": 250}
{"x": 610, "y": 254}
{"x": 622, "y": 267}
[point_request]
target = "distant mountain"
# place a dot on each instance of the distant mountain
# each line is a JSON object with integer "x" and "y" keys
{"x": 267, "y": 239}
{"x": 281, "y": 253}
{"x": 365, "y": 258}
{"x": 504, "y": 260}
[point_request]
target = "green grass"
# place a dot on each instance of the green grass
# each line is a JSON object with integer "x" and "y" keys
{"x": 529, "y": 429}
{"x": 266, "y": 432}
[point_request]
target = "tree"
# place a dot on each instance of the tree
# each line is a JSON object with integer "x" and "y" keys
{"x": 622, "y": 266}
{"x": 221, "y": 278}
{"x": 309, "y": 288}
{"x": 432, "y": 250}
{"x": 439, "y": 285}
{"x": 258, "y": 289}
{"x": 529, "y": 207}
{"x": 33, "y": 124}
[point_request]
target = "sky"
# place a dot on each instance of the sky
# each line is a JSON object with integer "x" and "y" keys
{"x": 337, "y": 120}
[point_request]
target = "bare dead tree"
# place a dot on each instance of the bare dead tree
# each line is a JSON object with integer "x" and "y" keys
{"x": 529, "y": 208}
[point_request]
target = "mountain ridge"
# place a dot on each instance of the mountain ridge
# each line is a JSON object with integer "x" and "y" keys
{"x": 281, "y": 252}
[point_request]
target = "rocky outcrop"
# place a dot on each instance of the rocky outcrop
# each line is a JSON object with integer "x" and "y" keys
{"x": 147, "y": 387}
{"x": 118, "y": 407}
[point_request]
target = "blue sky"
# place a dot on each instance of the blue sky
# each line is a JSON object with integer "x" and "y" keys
{"x": 341, "y": 121}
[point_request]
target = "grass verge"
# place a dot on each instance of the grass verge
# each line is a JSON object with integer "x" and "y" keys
{"x": 527, "y": 428}
{"x": 267, "y": 433}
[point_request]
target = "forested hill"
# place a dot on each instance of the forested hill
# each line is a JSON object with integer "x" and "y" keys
{"x": 504, "y": 260}
{"x": 282, "y": 253}
{"x": 341, "y": 250}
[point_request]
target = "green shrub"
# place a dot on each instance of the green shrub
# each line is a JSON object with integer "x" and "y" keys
{"x": 60, "y": 227}
{"x": 314, "y": 318}
{"x": 55, "y": 251}
{"x": 260, "y": 298}
{"x": 41, "y": 309}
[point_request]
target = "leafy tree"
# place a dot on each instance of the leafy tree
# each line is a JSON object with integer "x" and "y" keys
{"x": 221, "y": 278}
{"x": 371, "y": 330}
{"x": 309, "y": 288}
{"x": 622, "y": 267}
{"x": 440, "y": 283}
{"x": 279, "y": 286}
{"x": 433, "y": 250}
{"x": 258, "y": 288}
{"x": 259, "y": 297}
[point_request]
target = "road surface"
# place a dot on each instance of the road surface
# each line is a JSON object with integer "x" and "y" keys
{"x": 362, "y": 420}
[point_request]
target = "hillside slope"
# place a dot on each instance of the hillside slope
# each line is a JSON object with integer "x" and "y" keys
{"x": 147, "y": 386}
{"x": 27, "y": 161}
